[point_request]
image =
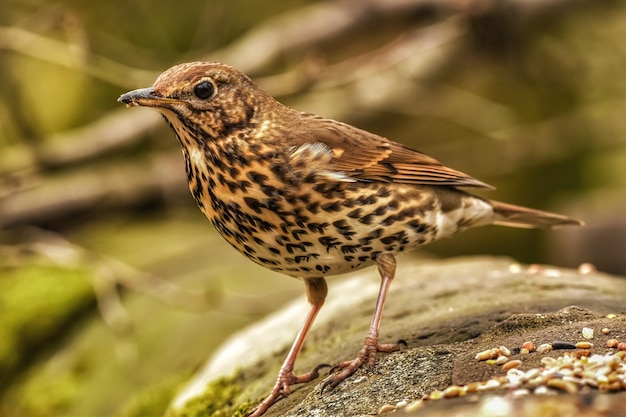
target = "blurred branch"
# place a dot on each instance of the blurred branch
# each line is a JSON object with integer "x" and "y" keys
{"x": 66, "y": 55}
{"x": 525, "y": 145}
{"x": 106, "y": 276}
{"x": 110, "y": 273}
{"x": 290, "y": 31}
{"x": 409, "y": 51}
{"x": 320, "y": 23}
{"x": 116, "y": 129}
{"x": 93, "y": 187}
{"x": 327, "y": 21}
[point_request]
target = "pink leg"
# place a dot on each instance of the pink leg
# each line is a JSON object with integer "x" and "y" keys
{"x": 387, "y": 268}
{"x": 316, "y": 293}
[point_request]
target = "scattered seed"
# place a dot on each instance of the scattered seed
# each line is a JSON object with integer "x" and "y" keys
{"x": 581, "y": 354}
{"x": 567, "y": 386}
{"x": 515, "y": 268}
{"x": 514, "y": 378}
{"x": 529, "y": 346}
{"x": 590, "y": 381}
{"x": 520, "y": 392}
{"x": 586, "y": 268}
{"x": 536, "y": 382}
{"x": 436, "y": 395}
{"x": 544, "y": 348}
{"x": 387, "y": 408}
{"x": 562, "y": 345}
{"x": 611, "y": 386}
{"x": 531, "y": 373}
{"x": 504, "y": 351}
{"x": 573, "y": 379}
{"x": 587, "y": 333}
{"x": 501, "y": 360}
{"x": 489, "y": 385}
{"x": 401, "y": 404}
{"x": 524, "y": 351}
{"x": 414, "y": 406}
{"x": 488, "y": 354}
{"x": 534, "y": 269}
{"x": 606, "y": 330}
{"x": 613, "y": 377}
{"x": 611, "y": 316}
{"x": 569, "y": 373}
{"x": 511, "y": 364}
{"x": 543, "y": 390}
{"x": 472, "y": 387}
{"x": 484, "y": 355}
{"x": 452, "y": 391}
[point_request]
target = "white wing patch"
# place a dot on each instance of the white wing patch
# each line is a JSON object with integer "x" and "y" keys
{"x": 316, "y": 159}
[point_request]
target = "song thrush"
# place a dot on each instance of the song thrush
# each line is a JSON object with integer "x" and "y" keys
{"x": 312, "y": 197}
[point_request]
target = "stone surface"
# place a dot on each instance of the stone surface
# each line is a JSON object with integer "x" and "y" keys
{"x": 446, "y": 311}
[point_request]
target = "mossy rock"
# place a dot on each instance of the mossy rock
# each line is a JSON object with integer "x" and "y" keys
{"x": 447, "y": 311}
{"x": 37, "y": 300}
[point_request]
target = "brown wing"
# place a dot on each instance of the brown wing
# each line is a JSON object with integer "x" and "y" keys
{"x": 364, "y": 155}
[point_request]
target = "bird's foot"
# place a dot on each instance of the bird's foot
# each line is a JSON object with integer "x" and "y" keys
{"x": 367, "y": 355}
{"x": 282, "y": 388}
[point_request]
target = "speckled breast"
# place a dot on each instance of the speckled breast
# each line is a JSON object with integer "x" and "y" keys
{"x": 301, "y": 224}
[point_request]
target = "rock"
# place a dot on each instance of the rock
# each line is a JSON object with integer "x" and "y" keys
{"x": 446, "y": 311}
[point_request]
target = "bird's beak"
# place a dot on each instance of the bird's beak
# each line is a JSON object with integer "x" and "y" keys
{"x": 141, "y": 97}
{"x": 144, "y": 97}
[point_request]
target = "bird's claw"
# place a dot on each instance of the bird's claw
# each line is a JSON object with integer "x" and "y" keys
{"x": 367, "y": 354}
{"x": 283, "y": 388}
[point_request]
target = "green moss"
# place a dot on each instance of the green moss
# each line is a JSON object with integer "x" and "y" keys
{"x": 153, "y": 401}
{"x": 44, "y": 395}
{"x": 216, "y": 401}
{"x": 35, "y": 302}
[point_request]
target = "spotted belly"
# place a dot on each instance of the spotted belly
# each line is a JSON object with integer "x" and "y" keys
{"x": 326, "y": 229}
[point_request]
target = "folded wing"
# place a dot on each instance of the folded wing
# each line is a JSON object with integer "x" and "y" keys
{"x": 368, "y": 157}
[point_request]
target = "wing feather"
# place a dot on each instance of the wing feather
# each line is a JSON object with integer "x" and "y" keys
{"x": 366, "y": 156}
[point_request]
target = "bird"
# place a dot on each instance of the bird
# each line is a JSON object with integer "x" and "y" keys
{"x": 311, "y": 197}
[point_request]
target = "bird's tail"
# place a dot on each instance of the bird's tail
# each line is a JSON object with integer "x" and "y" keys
{"x": 518, "y": 216}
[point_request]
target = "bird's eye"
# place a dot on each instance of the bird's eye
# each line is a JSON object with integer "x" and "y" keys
{"x": 204, "y": 90}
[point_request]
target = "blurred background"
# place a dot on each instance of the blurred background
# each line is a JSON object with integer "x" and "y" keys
{"x": 114, "y": 287}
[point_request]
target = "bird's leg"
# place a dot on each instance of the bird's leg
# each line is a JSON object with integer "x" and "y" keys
{"x": 387, "y": 268}
{"x": 316, "y": 291}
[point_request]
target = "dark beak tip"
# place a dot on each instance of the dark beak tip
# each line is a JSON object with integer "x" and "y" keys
{"x": 125, "y": 99}
{"x": 130, "y": 98}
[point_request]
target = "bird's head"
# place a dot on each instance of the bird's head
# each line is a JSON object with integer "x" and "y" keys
{"x": 201, "y": 97}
